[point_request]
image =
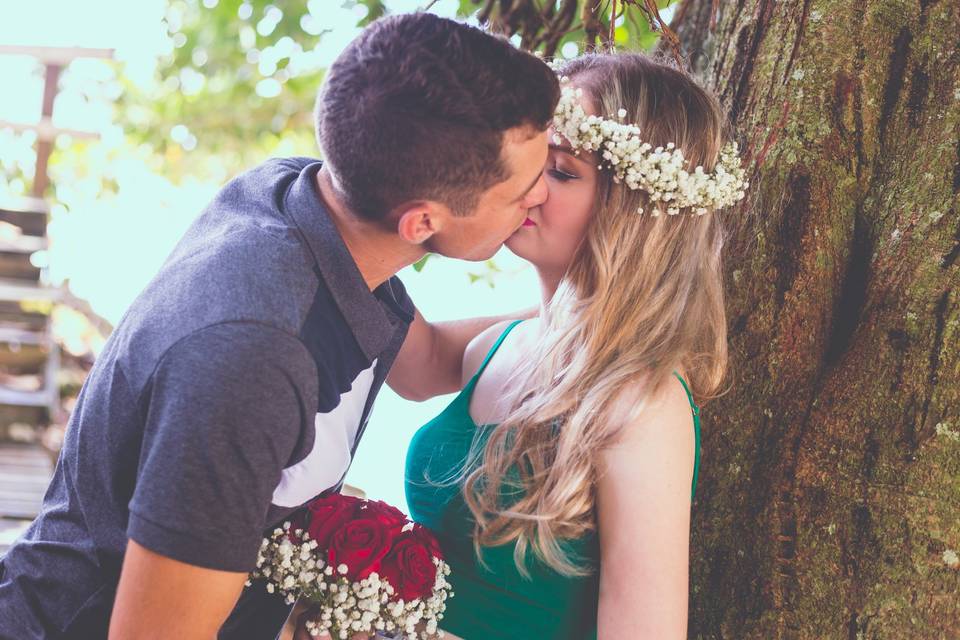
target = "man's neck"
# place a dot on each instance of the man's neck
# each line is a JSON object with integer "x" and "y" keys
{"x": 377, "y": 252}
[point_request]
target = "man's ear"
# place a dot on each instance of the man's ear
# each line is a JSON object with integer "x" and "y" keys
{"x": 418, "y": 221}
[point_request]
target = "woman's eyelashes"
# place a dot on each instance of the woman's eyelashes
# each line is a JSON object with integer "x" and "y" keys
{"x": 560, "y": 175}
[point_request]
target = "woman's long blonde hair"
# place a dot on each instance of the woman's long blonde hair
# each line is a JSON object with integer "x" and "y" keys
{"x": 642, "y": 297}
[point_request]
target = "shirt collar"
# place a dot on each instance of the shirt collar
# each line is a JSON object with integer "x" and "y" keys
{"x": 373, "y": 322}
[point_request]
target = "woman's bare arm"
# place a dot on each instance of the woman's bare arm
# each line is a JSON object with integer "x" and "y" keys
{"x": 643, "y": 506}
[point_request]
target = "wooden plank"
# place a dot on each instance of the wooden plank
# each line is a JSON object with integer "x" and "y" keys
{"x": 24, "y": 509}
{"x": 23, "y": 486}
{"x": 25, "y": 398}
{"x": 21, "y": 336}
{"x": 55, "y": 55}
{"x": 25, "y": 504}
{"x": 13, "y": 240}
{"x": 22, "y": 360}
{"x": 25, "y": 500}
{"x": 30, "y": 223}
{"x": 28, "y": 467}
{"x": 47, "y": 131}
{"x": 18, "y": 266}
{"x": 23, "y": 483}
{"x": 17, "y": 290}
{"x": 13, "y": 415}
{"x": 24, "y": 204}
{"x": 12, "y": 316}
{"x": 25, "y": 453}
{"x": 19, "y": 466}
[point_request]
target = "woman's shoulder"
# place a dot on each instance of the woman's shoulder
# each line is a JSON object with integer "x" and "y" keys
{"x": 479, "y": 347}
{"x": 662, "y": 415}
{"x": 650, "y": 465}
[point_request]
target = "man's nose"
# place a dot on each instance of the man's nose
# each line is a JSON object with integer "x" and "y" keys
{"x": 536, "y": 196}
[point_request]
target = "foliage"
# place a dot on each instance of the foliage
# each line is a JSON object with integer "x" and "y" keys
{"x": 240, "y": 76}
{"x": 564, "y": 26}
{"x": 235, "y": 83}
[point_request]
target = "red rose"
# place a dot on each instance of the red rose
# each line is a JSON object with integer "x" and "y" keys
{"x": 328, "y": 515}
{"x": 298, "y": 520}
{"x": 427, "y": 539}
{"x": 409, "y": 566}
{"x": 361, "y": 545}
{"x": 387, "y": 515}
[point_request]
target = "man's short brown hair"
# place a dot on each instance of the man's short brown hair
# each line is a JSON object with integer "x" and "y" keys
{"x": 416, "y": 107}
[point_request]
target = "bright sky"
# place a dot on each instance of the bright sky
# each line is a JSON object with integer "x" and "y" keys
{"x": 111, "y": 249}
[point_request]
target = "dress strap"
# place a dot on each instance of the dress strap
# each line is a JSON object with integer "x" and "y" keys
{"x": 496, "y": 345}
{"x": 696, "y": 433}
{"x": 693, "y": 405}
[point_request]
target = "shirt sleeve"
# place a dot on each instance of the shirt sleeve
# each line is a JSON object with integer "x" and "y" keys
{"x": 223, "y": 410}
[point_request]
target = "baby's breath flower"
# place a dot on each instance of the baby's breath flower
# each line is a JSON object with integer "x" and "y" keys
{"x": 660, "y": 172}
{"x": 293, "y": 568}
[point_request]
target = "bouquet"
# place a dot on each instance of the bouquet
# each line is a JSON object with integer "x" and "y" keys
{"x": 363, "y": 566}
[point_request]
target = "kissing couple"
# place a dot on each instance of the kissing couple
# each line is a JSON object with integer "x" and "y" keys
{"x": 239, "y": 383}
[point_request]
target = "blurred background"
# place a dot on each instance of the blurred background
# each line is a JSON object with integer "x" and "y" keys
{"x": 119, "y": 120}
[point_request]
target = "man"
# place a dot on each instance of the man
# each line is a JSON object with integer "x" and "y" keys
{"x": 238, "y": 384}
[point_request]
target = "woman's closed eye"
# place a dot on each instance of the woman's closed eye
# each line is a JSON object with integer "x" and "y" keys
{"x": 562, "y": 176}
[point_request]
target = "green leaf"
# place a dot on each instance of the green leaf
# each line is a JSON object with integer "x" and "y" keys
{"x": 419, "y": 264}
{"x": 467, "y": 8}
{"x": 375, "y": 9}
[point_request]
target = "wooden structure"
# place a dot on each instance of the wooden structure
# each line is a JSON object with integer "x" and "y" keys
{"x": 29, "y": 357}
{"x": 25, "y": 471}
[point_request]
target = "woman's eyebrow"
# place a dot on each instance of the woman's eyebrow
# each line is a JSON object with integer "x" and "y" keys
{"x": 579, "y": 157}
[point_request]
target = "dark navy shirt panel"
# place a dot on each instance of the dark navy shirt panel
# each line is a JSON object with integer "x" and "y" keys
{"x": 234, "y": 389}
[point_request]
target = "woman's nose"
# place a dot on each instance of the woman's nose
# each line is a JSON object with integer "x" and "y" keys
{"x": 538, "y": 195}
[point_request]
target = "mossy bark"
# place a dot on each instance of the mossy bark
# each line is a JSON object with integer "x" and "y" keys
{"x": 829, "y": 499}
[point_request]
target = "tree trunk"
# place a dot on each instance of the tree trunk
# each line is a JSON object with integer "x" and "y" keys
{"x": 829, "y": 503}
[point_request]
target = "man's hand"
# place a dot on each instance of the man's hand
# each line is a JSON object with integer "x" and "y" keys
{"x": 430, "y": 363}
{"x": 159, "y": 597}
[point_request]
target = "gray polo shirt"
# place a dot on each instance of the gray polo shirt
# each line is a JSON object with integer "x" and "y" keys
{"x": 235, "y": 389}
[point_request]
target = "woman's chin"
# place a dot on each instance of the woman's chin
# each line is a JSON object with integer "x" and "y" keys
{"x": 529, "y": 250}
{"x": 520, "y": 245}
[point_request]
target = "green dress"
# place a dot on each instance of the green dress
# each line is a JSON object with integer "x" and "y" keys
{"x": 493, "y": 601}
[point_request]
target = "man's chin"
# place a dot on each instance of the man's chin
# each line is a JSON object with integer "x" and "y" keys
{"x": 473, "y": 254}
{"x": 485, "y": 255}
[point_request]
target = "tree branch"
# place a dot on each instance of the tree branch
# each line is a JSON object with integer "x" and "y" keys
{"x": 591, "y": 23}
{"x": 559, "y": 27}
{"x": 652, "y": 12}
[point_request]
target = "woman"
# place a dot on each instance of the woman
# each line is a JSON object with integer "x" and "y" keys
{"x": 567, "y": 513}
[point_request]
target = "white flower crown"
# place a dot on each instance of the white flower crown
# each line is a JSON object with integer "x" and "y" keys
{"x": 658, "y": 171}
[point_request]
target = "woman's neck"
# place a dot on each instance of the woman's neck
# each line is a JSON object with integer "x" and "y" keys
{"x": 549, "y": 283}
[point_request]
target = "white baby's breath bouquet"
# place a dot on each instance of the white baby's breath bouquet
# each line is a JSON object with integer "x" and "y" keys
{"x": 361, "y": 566}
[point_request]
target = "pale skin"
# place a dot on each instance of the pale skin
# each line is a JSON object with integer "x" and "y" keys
{"x": 159, "y": 597}
{"x": 643, "y": 495}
